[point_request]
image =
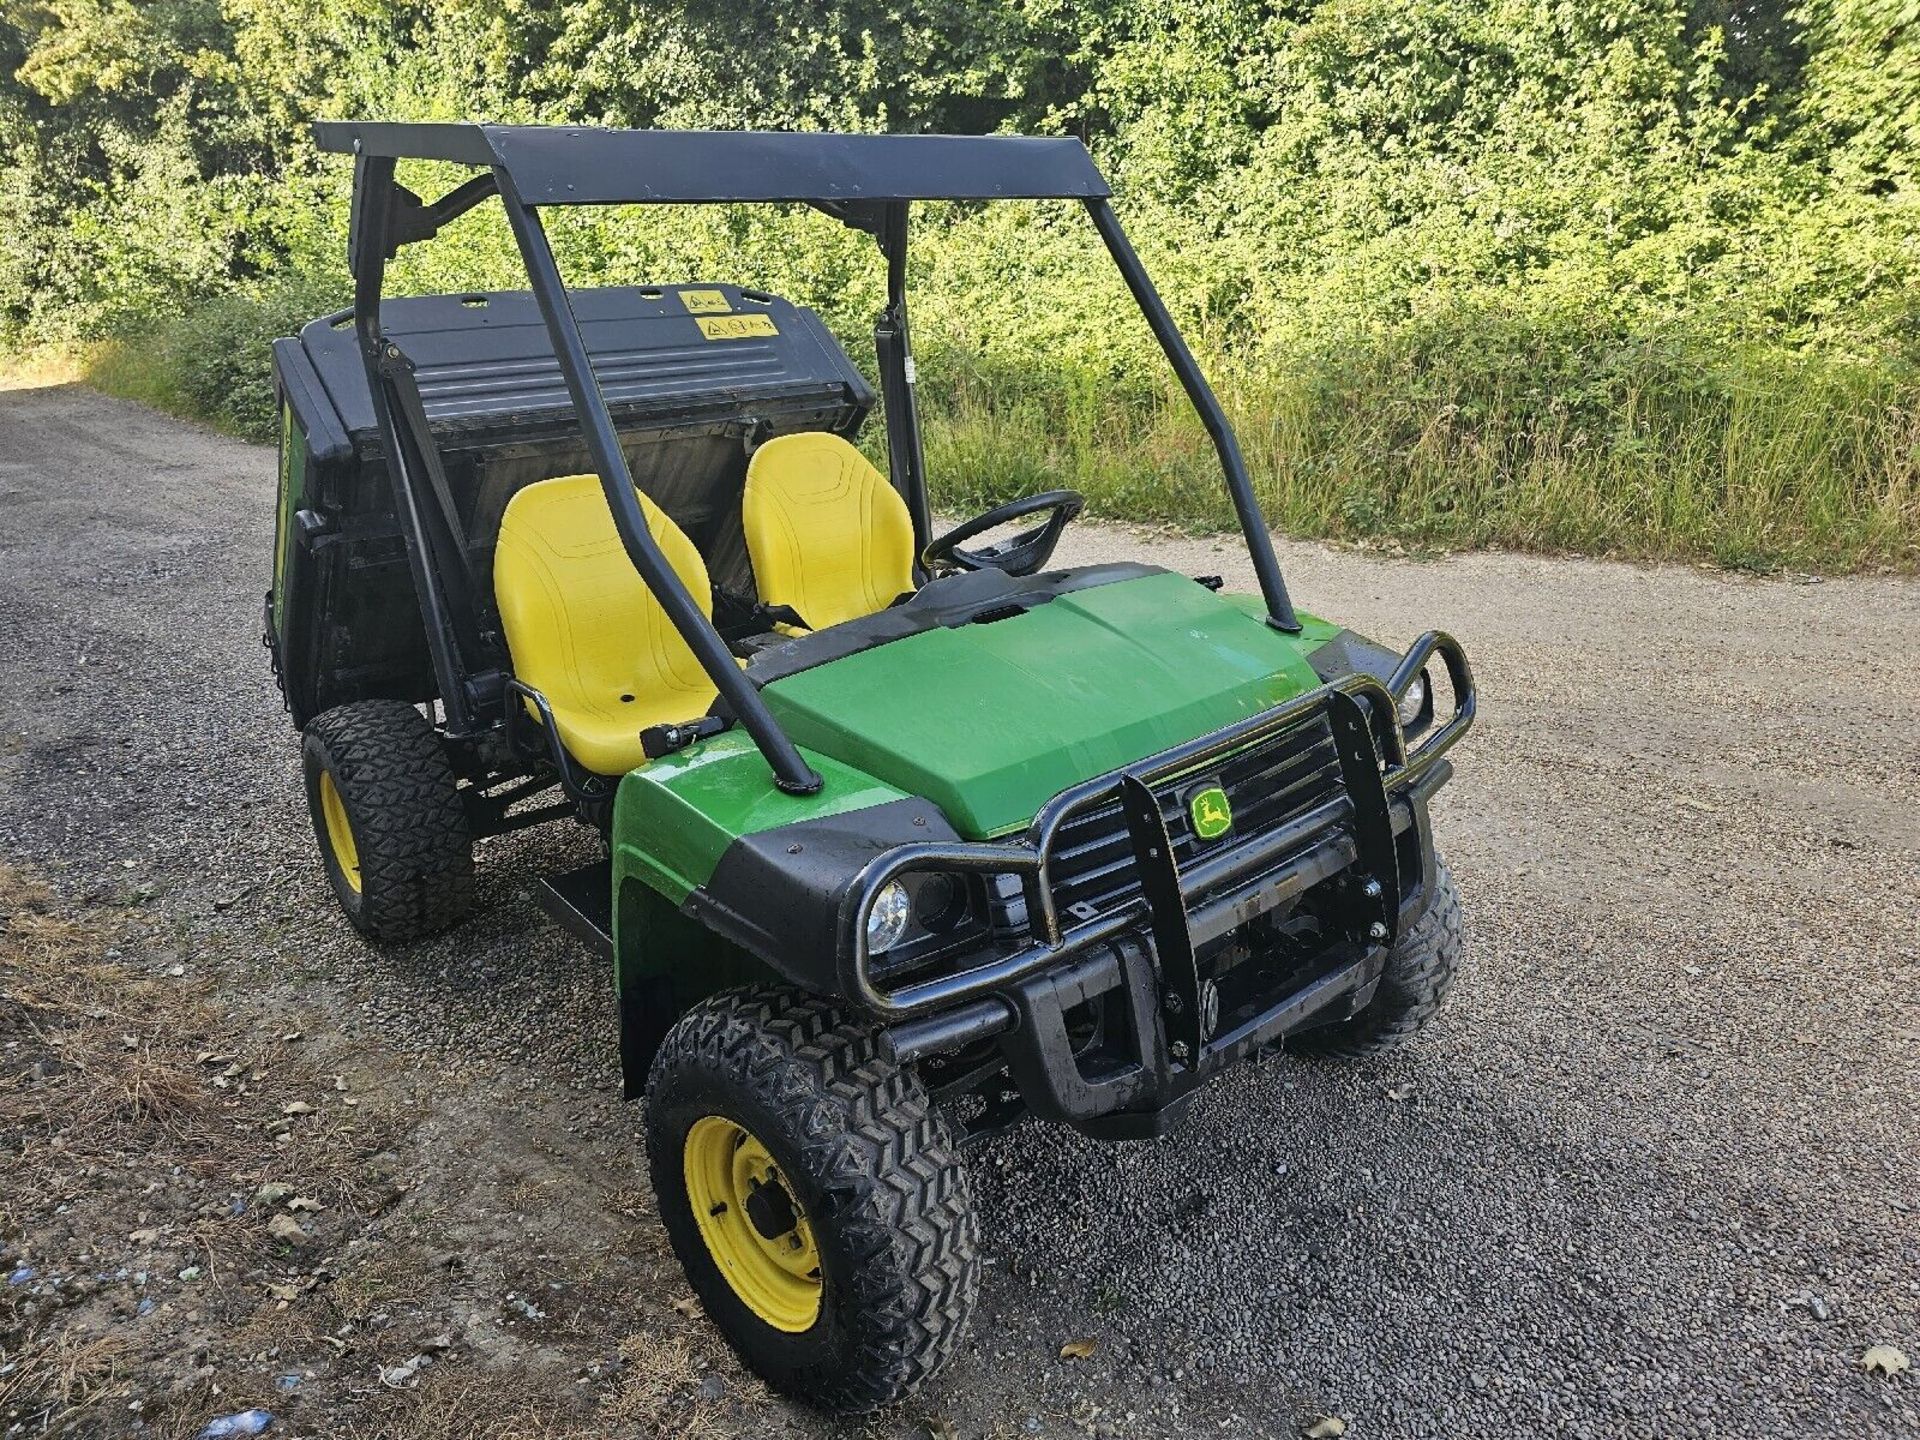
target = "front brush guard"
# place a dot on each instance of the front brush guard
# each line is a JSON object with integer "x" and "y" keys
{"x": 1146, "y": 948}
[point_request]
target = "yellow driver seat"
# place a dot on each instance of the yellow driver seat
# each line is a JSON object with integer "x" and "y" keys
{"x": 583, "y": 628}
{"x": 825, "y": 531}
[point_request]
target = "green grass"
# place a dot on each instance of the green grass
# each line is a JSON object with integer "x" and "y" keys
{"x": 213, "y": 363}
{"x": 1757, "y": 459}
{"x": 135, "y": 369}
{"x": 1460, "y": 433}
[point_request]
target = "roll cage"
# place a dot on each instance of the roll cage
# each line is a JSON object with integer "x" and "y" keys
{"x": 867, "y": 182}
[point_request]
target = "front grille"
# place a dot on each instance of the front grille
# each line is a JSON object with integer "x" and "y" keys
{"x": 1268, "y": 784}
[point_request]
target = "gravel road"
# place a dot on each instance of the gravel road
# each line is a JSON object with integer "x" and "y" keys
{"x": 1668, "y": 1119}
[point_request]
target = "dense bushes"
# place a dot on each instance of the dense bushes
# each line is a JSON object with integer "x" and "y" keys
{"x": 1638, "y": 277}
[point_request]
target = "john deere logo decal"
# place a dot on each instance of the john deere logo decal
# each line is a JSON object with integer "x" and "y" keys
{"x": 1212, "y": 815}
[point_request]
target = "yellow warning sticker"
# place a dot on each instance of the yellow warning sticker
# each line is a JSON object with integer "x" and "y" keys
{"x": 705, "y": 302}
{"x": 735, "y": 327}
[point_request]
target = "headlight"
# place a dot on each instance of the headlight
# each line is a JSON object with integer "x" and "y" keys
{"x": 1414, "y": 702}
{"x": 887, "y": 920}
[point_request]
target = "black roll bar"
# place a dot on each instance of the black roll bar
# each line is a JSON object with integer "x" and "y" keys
{"x": 369, "y": 226}
{"x": 790, "y": 772}
{"x": 893, "y": 347}
{"x": 1266, "y": 566}
{"x": 868, "y": 181}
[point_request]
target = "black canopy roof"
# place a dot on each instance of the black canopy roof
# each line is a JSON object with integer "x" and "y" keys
{"x": 584, "y": 165}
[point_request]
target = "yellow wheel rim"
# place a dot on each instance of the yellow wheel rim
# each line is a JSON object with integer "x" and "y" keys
{"x": 752, "y": 1224}
{"x": 339, "y": 833}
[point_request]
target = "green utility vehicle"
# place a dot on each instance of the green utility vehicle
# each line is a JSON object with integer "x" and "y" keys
{"x": 906, "y": 836}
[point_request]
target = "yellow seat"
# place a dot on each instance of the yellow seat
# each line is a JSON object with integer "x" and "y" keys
{"x": 825, "y": 531}
{"x": 583, "y": 628}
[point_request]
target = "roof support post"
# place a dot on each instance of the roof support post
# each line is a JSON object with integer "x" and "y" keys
{"x": 790, "y": 772}
{"x": 368, "y": 228}
{"x": 893, "y": 347}
{"x": 1266, "y": 565}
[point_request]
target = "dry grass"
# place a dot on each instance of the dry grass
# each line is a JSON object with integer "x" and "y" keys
{"x": 658, "y": 1392}
{"x": 101, "y": 1061}
{"x": 61, "y": 1085}
{"x": 83, "y": 1066}
{"x": 454, "y": 1407}
{"x": 650, "y": 1402}
{"x": 658, "y": 1370}
{"x": 74, "y": 1373}
{"x": 1752, "y": 458}
{"x": 138, "y": 1117}
{"x": 45, "y": 365}
{"x": 132, "y": 1110}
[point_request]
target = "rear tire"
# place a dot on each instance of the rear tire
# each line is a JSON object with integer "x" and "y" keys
{"x": 387, "y": 814}
{"x": 864, "y": 1181}
{"x": 1420, "y": 971}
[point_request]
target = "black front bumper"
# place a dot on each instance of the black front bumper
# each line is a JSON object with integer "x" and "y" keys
{"x": 1146, "y": 1095}
{"x": 1141, "y": 957}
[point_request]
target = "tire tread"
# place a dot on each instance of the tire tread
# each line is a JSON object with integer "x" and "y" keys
{"x": 1420, "y": 971}
{"x": 900, "y": 1195}
{"x": 409, "y": 824}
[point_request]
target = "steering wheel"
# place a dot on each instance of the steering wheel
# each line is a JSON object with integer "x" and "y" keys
{"x": 1020, "y": 554}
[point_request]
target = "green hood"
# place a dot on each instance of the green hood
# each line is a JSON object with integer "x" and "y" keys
{"x": 990, "y": 720}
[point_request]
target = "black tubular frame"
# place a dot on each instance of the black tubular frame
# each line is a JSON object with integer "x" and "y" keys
{"x": 866, "y": 181}
{"x": 790, "y": 772}
{"x": 368, "y": 247}
{"x": 893, "y": 348}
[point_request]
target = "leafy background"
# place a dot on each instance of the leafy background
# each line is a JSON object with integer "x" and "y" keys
{"x": 1636, "y": 278}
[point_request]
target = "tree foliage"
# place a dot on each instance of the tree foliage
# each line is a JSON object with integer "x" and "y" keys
{"x": 1519, "y": 213}
{"x": 1319, "y": 165}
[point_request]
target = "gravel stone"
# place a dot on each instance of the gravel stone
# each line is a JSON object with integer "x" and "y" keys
{"x": 1584, "y": 1224}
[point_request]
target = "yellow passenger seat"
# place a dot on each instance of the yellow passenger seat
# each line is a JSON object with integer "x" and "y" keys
{"x": 583, "y": 628}
{"x": 825, "y": 531}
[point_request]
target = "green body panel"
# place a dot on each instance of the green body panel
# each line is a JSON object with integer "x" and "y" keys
{"x": 672, "y": 820}
{"x": 674, "y": 817}
{"x": 665, "y": 958}
{"x": 1314, "y": 632}
{"x": 293, "y": 469}
{"x": 989, "y": 721}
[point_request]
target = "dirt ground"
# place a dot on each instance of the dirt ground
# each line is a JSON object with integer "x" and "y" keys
{"x": 1653, "y": 1172}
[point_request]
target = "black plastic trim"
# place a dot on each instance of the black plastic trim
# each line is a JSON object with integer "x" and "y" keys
{"x": 778, "y": 893}
{"x": 302, "y": 389}
{"x": 950, "y": 601}
{"x": 581, "y": 902}
{"x": 588, "y": 165}
{"x": 1351, "y": 653}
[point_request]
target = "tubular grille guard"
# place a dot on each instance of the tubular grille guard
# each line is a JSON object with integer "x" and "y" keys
{"x": 1375, "y": 765}
{"x": 1092, "y": 865}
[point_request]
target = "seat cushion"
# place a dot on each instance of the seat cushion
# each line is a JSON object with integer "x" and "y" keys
{"x": 583, "y": 628}
{"x": 827, "y": 534}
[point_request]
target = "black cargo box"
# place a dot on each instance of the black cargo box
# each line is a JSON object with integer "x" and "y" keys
{"x": 693, "y": 375}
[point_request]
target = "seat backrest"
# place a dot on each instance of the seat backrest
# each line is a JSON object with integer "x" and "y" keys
{"x": 827, "y": 534}
{"x": 583, "y": 628}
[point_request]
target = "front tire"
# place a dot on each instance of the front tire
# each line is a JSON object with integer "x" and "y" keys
{"x": 814, "y": 1197}
{"x": 1420, "y": 971}
{"x": 388, "y": 816}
